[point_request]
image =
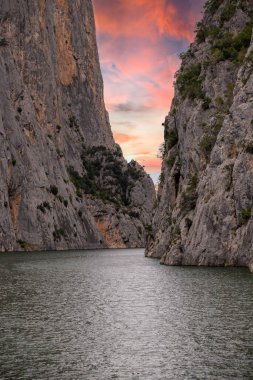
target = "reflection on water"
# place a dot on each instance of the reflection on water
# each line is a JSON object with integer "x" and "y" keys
{"x": 117, "y": 315}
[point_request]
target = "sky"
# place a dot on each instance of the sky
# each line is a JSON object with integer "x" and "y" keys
{"x": 139, "y": 43}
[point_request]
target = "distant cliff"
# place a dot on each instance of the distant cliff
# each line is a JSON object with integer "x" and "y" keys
{"x": 204, "y": 214}
{"x": 64, "y": 182}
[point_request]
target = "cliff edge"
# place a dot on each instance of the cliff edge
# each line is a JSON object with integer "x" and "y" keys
{"x": 204, "y": 214}
{"x": 64, "y": 182}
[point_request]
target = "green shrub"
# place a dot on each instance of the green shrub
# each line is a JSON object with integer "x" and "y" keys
{"x": 186, "y": 54}
{"x": 245, "y": 216}
{"x": 13, "y": 161}
{"x": 206, "y": 103}
{"x": 105, "y": 175}
{"x": 176, "y": 235}
{"x": 171, "y": 161}
{"x": 161, "y": 178}
{"x": 3, "y": 41}
{"x": 232, "y": 48}
{"x": 188, "y": 201}
{"x": 73, "y": 122}
{"x": 188, "y": 82}
{"x": 212, "y": 5}
{"x": 219, "y": 101}
{"x": 190, "y": 196}
{"x": 193, "y": 182}
{"x": 80, "y": 183}
{"x": 53, "y": 190}
{"x": 133, "y": 171}
{"x": 206, "y": 144}
{"x": 214, "y": 32}
{"x": 161, "y": 149}
{"x": 58, "y": 233}
{"x": 219, "y": 123}
{"x": 188, "y": 223}
{"x": 227, "y": 13}
{"x": 201, "y": 32}
{"x": 224, "y": 49}
{"x": 243, "y": 38}
{"x": 171, "y": 138}
{"x": 43, "y": 207}
{"x": 249, "y": 148}
{"x": 22, "y": 243}
{"x": 118, "y": 151}
{"x": 134, "y": 214}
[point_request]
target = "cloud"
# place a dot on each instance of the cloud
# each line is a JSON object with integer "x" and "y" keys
{"x": 126, "y": 124}
{"x": 139, "y": 43}
{"x": 122, "y": 138}
{"x": 131, "y": 107}
{"x": 146, "y": 18}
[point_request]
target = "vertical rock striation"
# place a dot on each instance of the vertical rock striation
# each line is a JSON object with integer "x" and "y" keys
{"x": 57, "y": 154}
{"x": 204, "y": 214}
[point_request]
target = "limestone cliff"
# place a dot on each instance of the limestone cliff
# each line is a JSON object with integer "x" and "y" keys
{"x": 204, "y": 214}
{"x": 57, "y": 155}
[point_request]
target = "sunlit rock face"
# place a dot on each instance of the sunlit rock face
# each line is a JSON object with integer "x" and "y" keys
{"x": 204, "y": 213}
{"x": 52, "y": 114}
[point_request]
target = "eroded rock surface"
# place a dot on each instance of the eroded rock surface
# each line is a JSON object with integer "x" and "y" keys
{"x": 52, "y": 114}
{"x": 205, "y": 199}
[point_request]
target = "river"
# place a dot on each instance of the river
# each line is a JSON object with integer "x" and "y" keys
{"x": 115, "y": 314}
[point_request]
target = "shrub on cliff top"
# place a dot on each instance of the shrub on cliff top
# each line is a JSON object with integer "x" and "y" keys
{"x": 227, "y": 13}
{"x": 201, "y": 32}
{"x": 232, "y": 48}
{"x": 212, "y": 5}
{"x": 188, "y": 82}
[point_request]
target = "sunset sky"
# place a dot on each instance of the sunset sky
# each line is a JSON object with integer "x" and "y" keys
{"x": 139, "y": 43}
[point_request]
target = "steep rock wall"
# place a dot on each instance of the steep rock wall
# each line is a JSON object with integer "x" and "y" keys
{"x": 51, "y": 111}
{"x": 205, "y": 198}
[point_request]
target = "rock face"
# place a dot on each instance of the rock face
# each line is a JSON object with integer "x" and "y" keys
{"x": 204, "y": 214}
{"x": 57, "y": 154}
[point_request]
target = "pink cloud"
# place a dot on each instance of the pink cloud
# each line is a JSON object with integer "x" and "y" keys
{"x": 144, "y": 18}
{"x": 139, "y": 42}
{"x": 122, "y": 138}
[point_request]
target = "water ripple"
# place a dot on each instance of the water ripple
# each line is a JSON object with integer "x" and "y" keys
{"x": 117, "y": 315}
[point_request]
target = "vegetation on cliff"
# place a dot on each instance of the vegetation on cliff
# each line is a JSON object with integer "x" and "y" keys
{"x": 204, "y": 212}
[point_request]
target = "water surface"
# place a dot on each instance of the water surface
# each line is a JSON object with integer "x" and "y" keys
{"x": 117, "y": 315}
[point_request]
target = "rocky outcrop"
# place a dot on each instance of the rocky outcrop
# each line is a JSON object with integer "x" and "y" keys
{"x": 204, "y": 214}
{"x": 52, "y": 114}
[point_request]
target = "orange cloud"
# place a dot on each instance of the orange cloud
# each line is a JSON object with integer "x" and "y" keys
{"x": 144, "y": 18}
{"x": 139, "y": 42}
{"x": 149, "y": 161}
{"x": 122, "y": 138}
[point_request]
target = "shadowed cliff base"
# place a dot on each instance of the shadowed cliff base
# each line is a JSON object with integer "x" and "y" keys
{"x": 204, "y": 213}
{"x": 64, "y": 182}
